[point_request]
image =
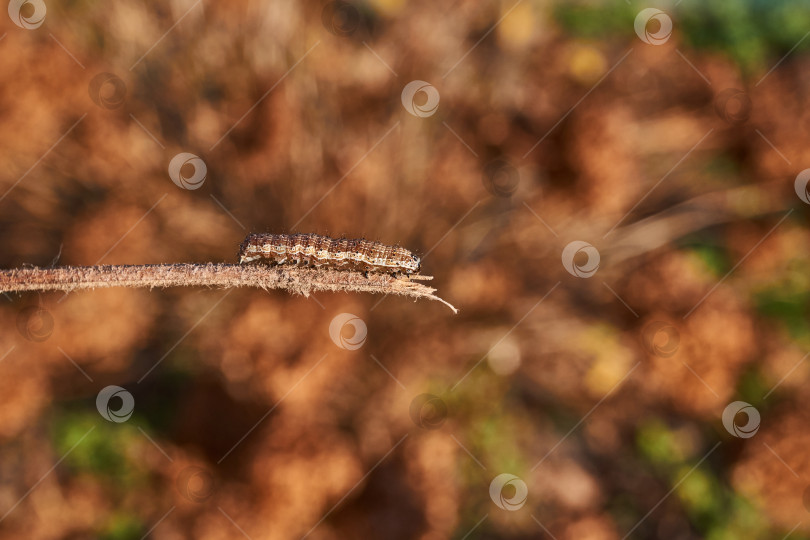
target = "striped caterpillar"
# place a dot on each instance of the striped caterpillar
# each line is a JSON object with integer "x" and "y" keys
{"x": 323, "y": 251}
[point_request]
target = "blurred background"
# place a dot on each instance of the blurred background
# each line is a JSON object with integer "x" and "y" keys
{"x": 611, "y": 192}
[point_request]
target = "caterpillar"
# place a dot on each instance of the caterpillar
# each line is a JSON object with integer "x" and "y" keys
{"x": 325, "y": 252}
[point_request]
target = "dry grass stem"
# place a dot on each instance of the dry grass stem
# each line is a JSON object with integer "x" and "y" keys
{"x": 295, "y": 280}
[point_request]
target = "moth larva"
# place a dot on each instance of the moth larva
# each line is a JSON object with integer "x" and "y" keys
{"x": 323, "y": 251}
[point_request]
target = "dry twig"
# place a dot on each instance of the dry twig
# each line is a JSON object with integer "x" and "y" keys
{"x": 295, "y": 280}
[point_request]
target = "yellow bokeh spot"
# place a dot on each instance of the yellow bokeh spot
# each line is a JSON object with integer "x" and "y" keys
{"x": 586, "y": 63}
{"x": 611, "y": 360}
{"x": 387, "y": 7}
{"x": 516, "y": 30}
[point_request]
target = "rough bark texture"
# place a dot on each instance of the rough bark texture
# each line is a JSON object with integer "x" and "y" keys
{"x": 296, "y": 280}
